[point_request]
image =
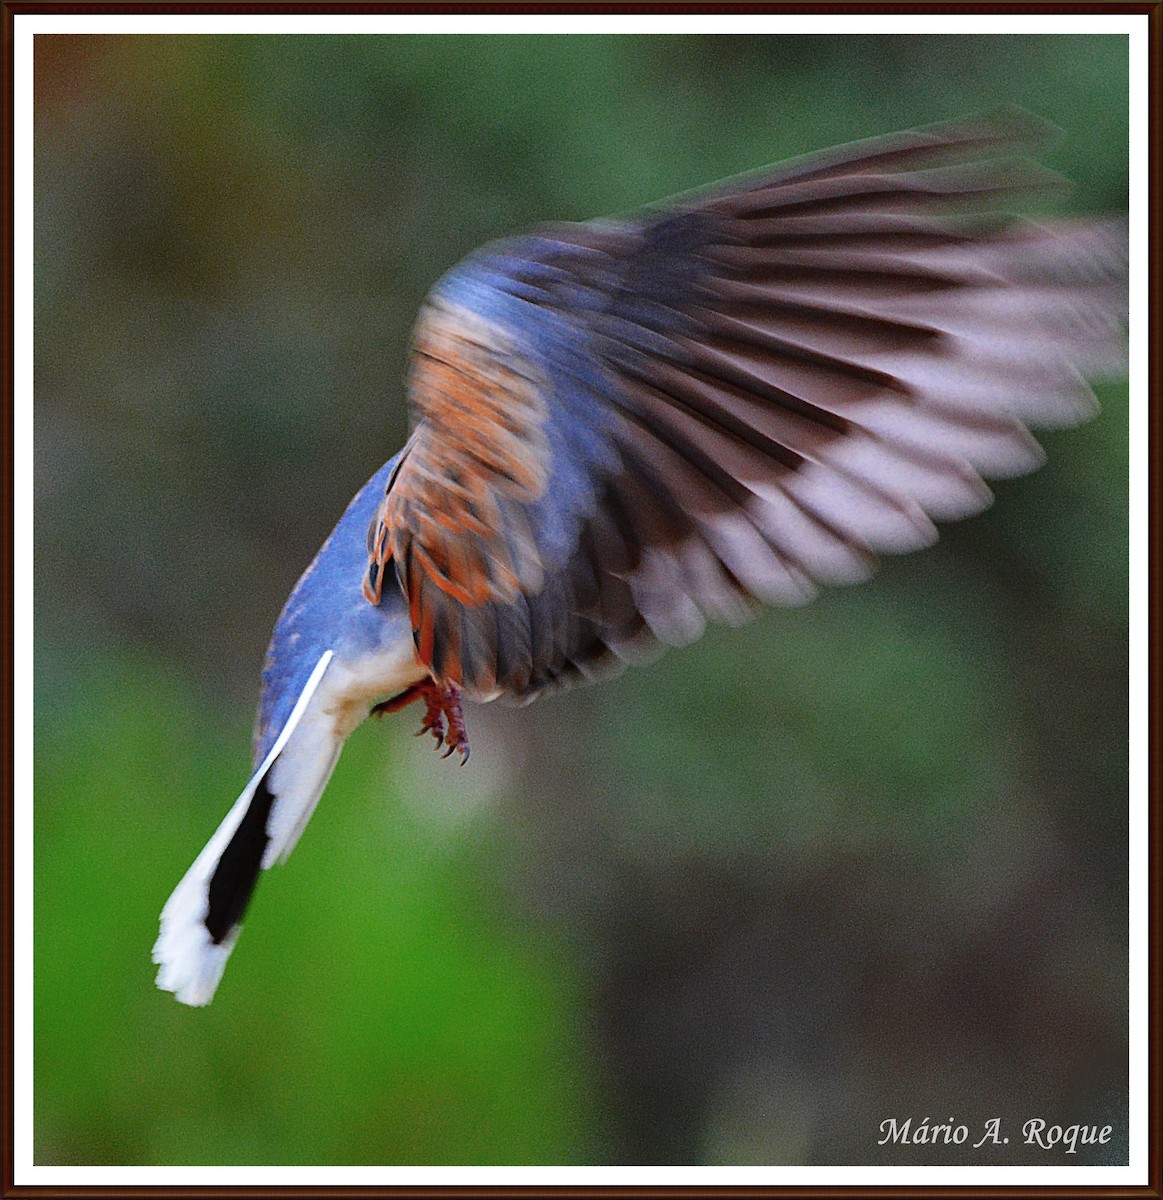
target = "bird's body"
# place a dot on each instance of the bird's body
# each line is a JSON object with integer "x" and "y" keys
{"x": 626, "y": 429}
{"x": 316, "y": 619}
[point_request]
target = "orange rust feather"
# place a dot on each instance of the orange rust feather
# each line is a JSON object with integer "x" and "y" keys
{"x": 478, "y": 456}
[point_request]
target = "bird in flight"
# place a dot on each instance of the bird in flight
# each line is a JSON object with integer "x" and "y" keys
{"x": 622, "y": 430}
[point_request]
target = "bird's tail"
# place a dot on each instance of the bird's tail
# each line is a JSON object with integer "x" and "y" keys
{"x": 201, "y": 921}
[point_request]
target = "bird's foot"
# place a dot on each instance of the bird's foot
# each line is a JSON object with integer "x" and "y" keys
{"x": 443, "y": 717}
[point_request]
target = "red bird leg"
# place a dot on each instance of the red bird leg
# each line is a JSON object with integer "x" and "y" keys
{"x": 441, "y": 705}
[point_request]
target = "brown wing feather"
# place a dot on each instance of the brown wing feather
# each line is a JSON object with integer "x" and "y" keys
{"x": 450, "y": 521}
{"x": 810, "y": 365}
{"x": 478, "y": 448}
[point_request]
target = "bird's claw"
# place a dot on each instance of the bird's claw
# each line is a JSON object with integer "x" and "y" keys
{"x": 443, "y": 716}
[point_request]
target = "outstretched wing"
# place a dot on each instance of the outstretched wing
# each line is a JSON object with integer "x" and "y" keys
{"x": 623, "y": 430}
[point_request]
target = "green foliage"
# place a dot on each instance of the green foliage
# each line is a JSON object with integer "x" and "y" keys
{"x": 383, "y": 1008}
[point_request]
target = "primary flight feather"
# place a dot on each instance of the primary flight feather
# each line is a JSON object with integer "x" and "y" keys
{"x": 625, "y": 429}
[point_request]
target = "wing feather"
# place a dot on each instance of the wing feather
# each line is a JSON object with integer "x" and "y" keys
{"x": 624, "y": 430}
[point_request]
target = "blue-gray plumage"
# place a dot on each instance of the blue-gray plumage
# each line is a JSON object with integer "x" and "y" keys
{"x": 331, "y": 656}
{"x": 320, "y": 616}
{"x": 623, "y": 430}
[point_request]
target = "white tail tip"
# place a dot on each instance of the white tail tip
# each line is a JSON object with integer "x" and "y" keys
{"x": 191, "y": 961}
{"x": 191, "y": 965}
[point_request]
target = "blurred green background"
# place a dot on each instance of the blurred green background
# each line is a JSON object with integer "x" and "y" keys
{"x": 859, "y": 861}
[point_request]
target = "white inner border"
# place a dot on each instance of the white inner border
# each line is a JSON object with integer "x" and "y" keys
{"x": 25, "y": 28}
